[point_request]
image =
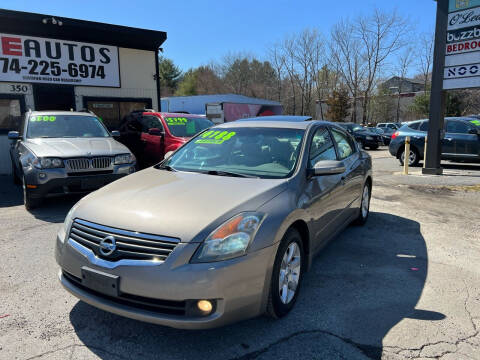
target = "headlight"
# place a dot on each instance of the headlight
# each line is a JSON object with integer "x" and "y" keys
{"x": 124, "y": 159}
{"x": 47, "y": 163}
{"x": 231, "y": 239}
{"x": 369, "y": 138}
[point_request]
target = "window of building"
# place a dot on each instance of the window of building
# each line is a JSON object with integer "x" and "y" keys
{"x": 10, "y": 114}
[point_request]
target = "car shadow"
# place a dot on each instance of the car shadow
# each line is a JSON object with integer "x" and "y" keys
{"x": 51, "y": 209}
{"x": 359, "y": 287}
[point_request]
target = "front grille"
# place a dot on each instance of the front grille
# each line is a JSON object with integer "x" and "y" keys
{"x": 79, "y": 164}
{"x": 156, "y": 305}
{"x": 130, "y": 245}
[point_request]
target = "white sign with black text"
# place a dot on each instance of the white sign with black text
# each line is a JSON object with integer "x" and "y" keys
{"x": 462, "y": 52}
{"x": 41, "y": 60}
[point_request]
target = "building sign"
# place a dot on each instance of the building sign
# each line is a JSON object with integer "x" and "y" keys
{"x": 455, "y": 5}
{"x": 462, "y": 53}
{"x": 40, "y": 60}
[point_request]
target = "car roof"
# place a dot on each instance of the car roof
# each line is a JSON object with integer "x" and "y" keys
{"x": 173, "y": 114}
{"x": 273, "y": 124}
{"x": 288, "y": 118}
{"x": 57, "y": 112}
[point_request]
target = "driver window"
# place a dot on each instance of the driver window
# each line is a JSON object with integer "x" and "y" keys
{"x": 322, "y": 147}
{"x": 345, "y": 148}
{"x": 150, "y": 122}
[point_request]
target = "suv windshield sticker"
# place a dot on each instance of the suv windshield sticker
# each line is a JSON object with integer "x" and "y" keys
{"x": 215, "y": 137}
{"x": 475, "y": 122}
{"x": 176, "y": 121}
{"x": 43, "y": 118}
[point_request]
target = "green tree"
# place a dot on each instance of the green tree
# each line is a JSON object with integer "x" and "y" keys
{"x": 188, "y": 84}
{"x": 421, "y": 105}
{"x": 170, "y": 75}
{"x": 338, "y": 105}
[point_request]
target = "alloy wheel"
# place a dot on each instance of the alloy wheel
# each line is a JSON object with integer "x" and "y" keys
{"x": 289, "y": 273}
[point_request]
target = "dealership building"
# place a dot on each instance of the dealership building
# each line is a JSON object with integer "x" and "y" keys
{"x": 54, "y": 63}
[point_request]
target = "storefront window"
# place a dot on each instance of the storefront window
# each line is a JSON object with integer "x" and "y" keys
{"x": 10, "y": 114}
{"x": 112, "y": 112}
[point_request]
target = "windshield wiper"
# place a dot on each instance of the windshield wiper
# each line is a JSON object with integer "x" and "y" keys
{"x": 227, "y": 173}
{"x": 166, "y": 167}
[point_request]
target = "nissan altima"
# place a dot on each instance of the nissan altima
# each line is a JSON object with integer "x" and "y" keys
{"x": 222, "y": 230}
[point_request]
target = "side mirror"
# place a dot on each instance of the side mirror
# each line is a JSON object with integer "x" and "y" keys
{"x": 155, "y": 132}
{"x": 116, "y": 133}
{"x": 13, "y": 135}
{"x": 327, "y": 167}
{"x": 471, "y": 131}
{"x": 168, "y": 154}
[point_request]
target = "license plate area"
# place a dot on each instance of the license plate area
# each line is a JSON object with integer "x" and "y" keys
{"x": 89, "y": 184}
{"x": 101, "y": 282}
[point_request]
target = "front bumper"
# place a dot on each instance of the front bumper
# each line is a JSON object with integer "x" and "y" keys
{"x": 54, "y": 182}
{"x": 239, "y": 286}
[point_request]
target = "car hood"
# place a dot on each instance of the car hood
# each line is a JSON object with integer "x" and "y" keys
{"x": 75, "y": 147}
{"x": 183, "y": 205}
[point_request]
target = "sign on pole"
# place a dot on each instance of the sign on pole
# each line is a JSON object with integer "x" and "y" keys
{"x": 462, "y": 51}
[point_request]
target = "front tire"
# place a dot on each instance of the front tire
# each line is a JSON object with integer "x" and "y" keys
{"x": 287, "y": 275}
{"x": 29, "y": 202}
{"x": 16, "y": 179}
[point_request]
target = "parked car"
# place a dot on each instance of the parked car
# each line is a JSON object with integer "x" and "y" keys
{"x": 222, "y": 230}
{"x": 386, "y": 133}
{"x": 64, "y": 152}
{"x": 150, "y": 135}
{"x": 461, "y": 141}
{"x": 364, "y": 136}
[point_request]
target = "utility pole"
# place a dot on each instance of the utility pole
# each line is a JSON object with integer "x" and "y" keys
{"x": 437, "y": 95}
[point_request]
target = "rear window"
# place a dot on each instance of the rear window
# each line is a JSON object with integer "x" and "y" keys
{"x": 414, "y": 125}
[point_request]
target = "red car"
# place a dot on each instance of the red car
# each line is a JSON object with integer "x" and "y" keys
{"x": 150, "y": 135}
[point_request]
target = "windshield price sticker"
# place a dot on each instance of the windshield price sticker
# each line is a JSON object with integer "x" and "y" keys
{"x": 475, "y": 122}
{"x": 176, "y": 120}
{"x": 215, "y": 137}
{"x": 43, "y": 118}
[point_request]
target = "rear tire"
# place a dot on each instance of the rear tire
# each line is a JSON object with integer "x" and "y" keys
{"x": 29, "y": 202}
{"x": 414, "y": 158}
{"x": 287, "y": 275}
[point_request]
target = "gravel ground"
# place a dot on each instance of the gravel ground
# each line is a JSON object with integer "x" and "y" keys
{"x": 405, "y": 286}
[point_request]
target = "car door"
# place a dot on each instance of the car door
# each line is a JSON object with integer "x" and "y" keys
{"x": 352, "y": 179}
{"x": 323, "y": 192}
{"x": 154, "y": 149}
{"x": 465, "y": 142}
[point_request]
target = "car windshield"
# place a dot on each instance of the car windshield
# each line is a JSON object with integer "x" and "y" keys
{"x": 62, "y": 126}
{"x": 241, "y": 151}
{"x": 185, "y": 126}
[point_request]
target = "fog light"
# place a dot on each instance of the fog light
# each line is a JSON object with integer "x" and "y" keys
{"x": 42, "y": 175}
{"x": 204, "y": 306}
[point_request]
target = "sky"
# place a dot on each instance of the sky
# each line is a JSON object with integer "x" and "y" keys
{"x": 202, "y": 31}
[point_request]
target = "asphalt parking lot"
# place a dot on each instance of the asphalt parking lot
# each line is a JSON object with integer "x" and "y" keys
{"x": 407, "y": 285}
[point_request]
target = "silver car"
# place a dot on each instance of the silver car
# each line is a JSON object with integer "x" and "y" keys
{"x": 222, "y": 230}
{"x": 64, "y": 152}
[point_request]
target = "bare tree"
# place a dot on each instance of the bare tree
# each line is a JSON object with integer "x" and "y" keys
{"x": 380, "y": 35}
{"x": 405, "y": 60}
{"x": 425, "y": 57}
{"x": 348, "y": 60}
